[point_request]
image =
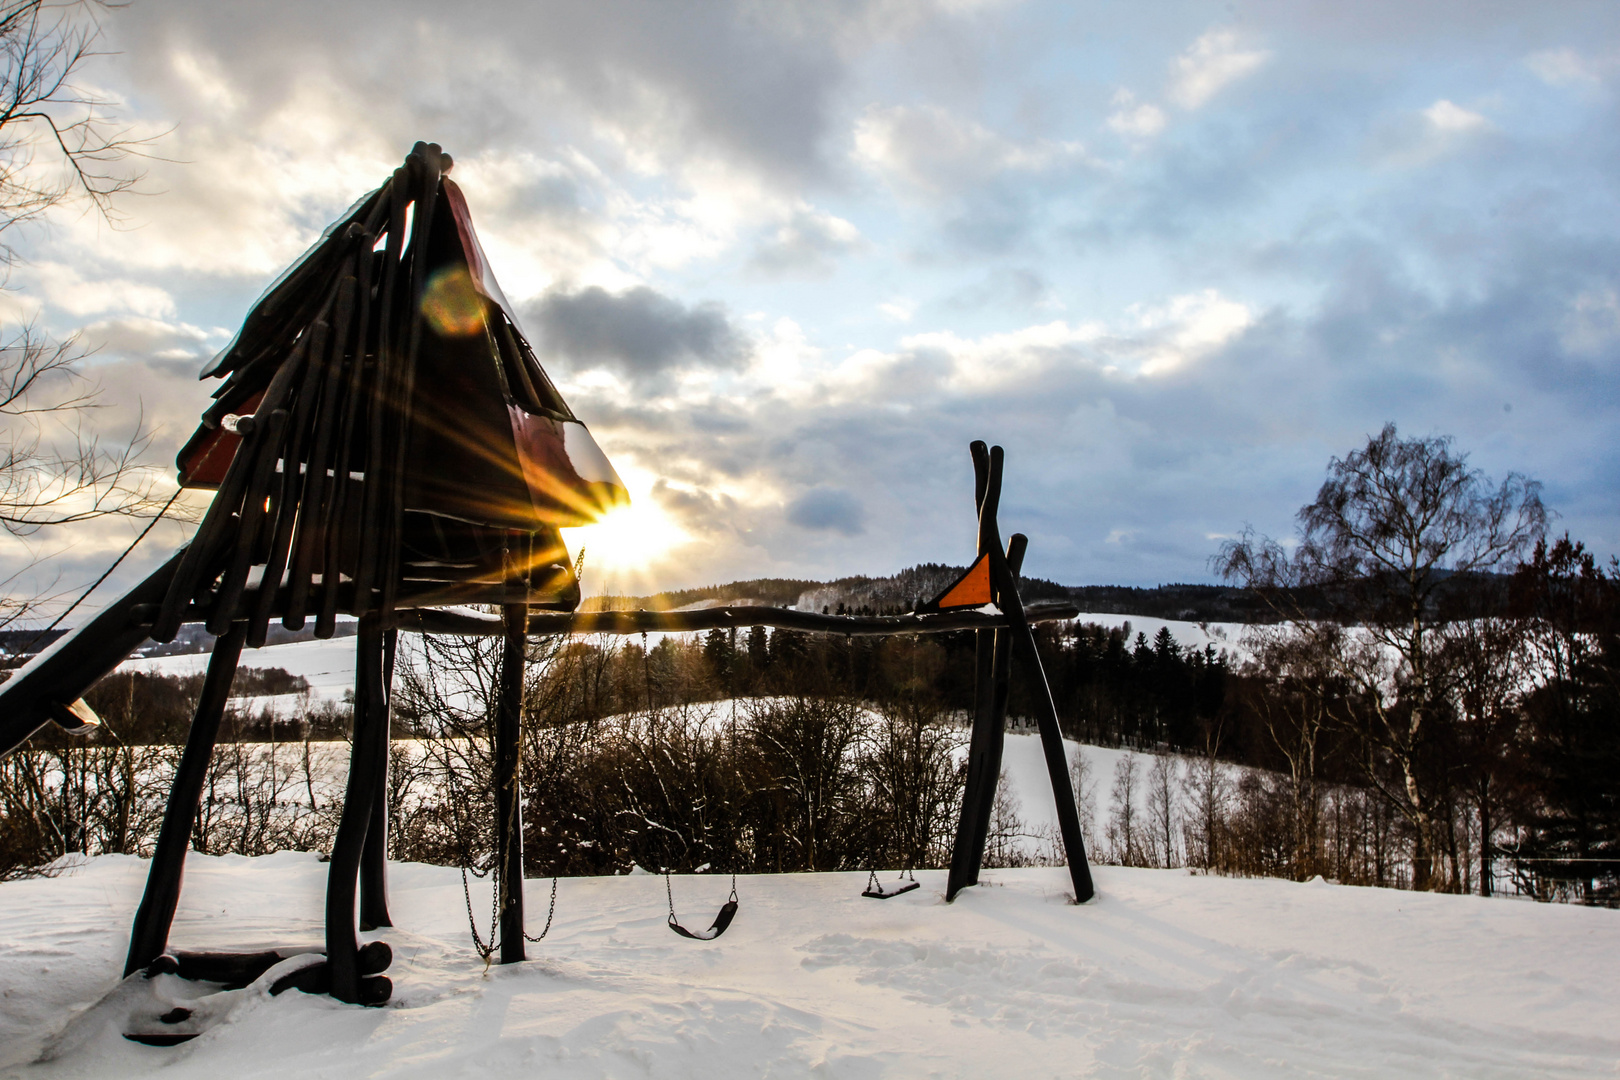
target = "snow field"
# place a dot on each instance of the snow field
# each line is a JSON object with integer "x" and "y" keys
{"x": 1165, "y": 974}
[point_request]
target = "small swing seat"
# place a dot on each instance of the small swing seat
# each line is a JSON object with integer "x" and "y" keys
{"x": 876, "y": 891}
{"x": 728, "y": 911}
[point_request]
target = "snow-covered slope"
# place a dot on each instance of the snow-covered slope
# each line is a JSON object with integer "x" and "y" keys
{"x": 1165, "y": 974}
{"x": 328, "y": 665}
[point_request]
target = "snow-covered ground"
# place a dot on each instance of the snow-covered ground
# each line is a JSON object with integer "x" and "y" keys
{"x": 1165, "y": 974}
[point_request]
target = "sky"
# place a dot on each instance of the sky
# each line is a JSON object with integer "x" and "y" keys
{"x": 787, "y": 261}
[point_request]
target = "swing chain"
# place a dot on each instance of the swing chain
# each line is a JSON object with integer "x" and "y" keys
{"x": 485, "y": 951}
{"x": 550, "y": 914}
{"x": 669, "y": 892}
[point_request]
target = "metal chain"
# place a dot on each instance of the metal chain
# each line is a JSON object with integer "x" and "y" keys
{"x": 670, "y": 893}
{"x": 485, "y": 951}
{"x": 549, "y": 915}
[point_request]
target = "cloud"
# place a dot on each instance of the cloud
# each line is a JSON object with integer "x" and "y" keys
{"x": 1450, "y": 118}
{"x": 1133, "y": 119}
{"x": 807, "y": 245}
{"x": 934, "y": 151}
{"x": 1210, "y": 64}
{"x": 730, "y": 79}
{"x": 1017, "y": 287}
{"x": 1592, "y": 326}
{"x": 1149, "y": 342}
{"x": 65, "y": 289}
{"x": 639, "y": 333}
{"x": 899, "y": 309}
{"x": 828, "y": 508}
{"x": 179, "y": 346}
{"x": 1173, "y": 335}
{"x": 1414, "y": 139}
{"x": 1566, "y": 67}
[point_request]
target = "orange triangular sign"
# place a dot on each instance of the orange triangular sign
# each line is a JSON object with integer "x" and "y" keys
{"x": 971, "y": 590}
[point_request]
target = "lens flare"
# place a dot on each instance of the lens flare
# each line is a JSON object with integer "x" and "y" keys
{"x": 451, "y": 303}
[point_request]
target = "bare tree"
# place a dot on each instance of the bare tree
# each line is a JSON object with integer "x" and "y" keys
{"x": 59, "y": 141}
{"x": 60, "y": 146}
{"x": 1125, "y": 839}
{"x": 1209, "y": 793}
{"x": 1164, "y": 809}
{"x": 1085, "y": 797}
{"x": 1393, "y": 522}
{"x": 1300, "y": 694}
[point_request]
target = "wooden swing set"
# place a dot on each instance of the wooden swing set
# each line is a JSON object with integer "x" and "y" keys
{"x": 385, "y": 445}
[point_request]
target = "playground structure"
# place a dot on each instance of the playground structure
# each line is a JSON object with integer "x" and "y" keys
{"x": 385, "y": 445}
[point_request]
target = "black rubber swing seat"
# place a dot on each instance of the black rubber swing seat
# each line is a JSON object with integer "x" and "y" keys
{"x": 728, "y": 911}
{"x": 875, "y": 890}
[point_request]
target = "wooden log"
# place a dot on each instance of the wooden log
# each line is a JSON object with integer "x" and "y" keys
{"x": 310, "y": 517}
{"x": 508, "y": 799}
{"x": 78, "y": 659}
{"x": 428, "y": 160}
{"x": 1057, "y": 758}
{"x": 377, "y": 409}
{"x": 232, "y": 970}
{"x": 988, "y": 741}
{"x": 334, "y": 516}
{"x": 342, "y": 945}
{"x": 979, "y": 788}
{"x": 469, "y": 624}
{"x": 374, "y": 857}
{"x": 149, "y": 937}
{"x": 268, "y": 448}
{"x": 220, "y": 525}
{"x": 287, "y": 505}
{"x": 283, "y": 306}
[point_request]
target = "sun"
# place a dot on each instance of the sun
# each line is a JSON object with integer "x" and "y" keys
{"x": 622, "y": 549}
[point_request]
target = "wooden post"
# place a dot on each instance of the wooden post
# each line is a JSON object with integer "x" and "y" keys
{"x": 149, "y": 937}
{"x": 984, "y": 746}
{"x": 1000, "y": 691}
{"x": 1057, "y": 759}
{"x": 370, "y": 729}
{"x": 978, "y": 792}
{"x": 374, "y": 858}
{"x": 508, "y": 800}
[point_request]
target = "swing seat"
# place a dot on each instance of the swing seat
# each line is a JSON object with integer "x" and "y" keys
{"x": 877, "y": 892}
{"x": 728, "y": 911}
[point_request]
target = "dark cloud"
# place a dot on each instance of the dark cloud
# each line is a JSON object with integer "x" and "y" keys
{"x": 640, "y": 333}
{"x": 751, "y": 83}
{"x": 828, "y": 508}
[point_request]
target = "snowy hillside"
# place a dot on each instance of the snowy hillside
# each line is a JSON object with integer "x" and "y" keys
{"x": 1165, "y": 974}
{"x": 328, "y": 665}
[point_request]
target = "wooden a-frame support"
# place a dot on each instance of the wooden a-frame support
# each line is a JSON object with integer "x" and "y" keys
{"x": 993, "y": 654}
